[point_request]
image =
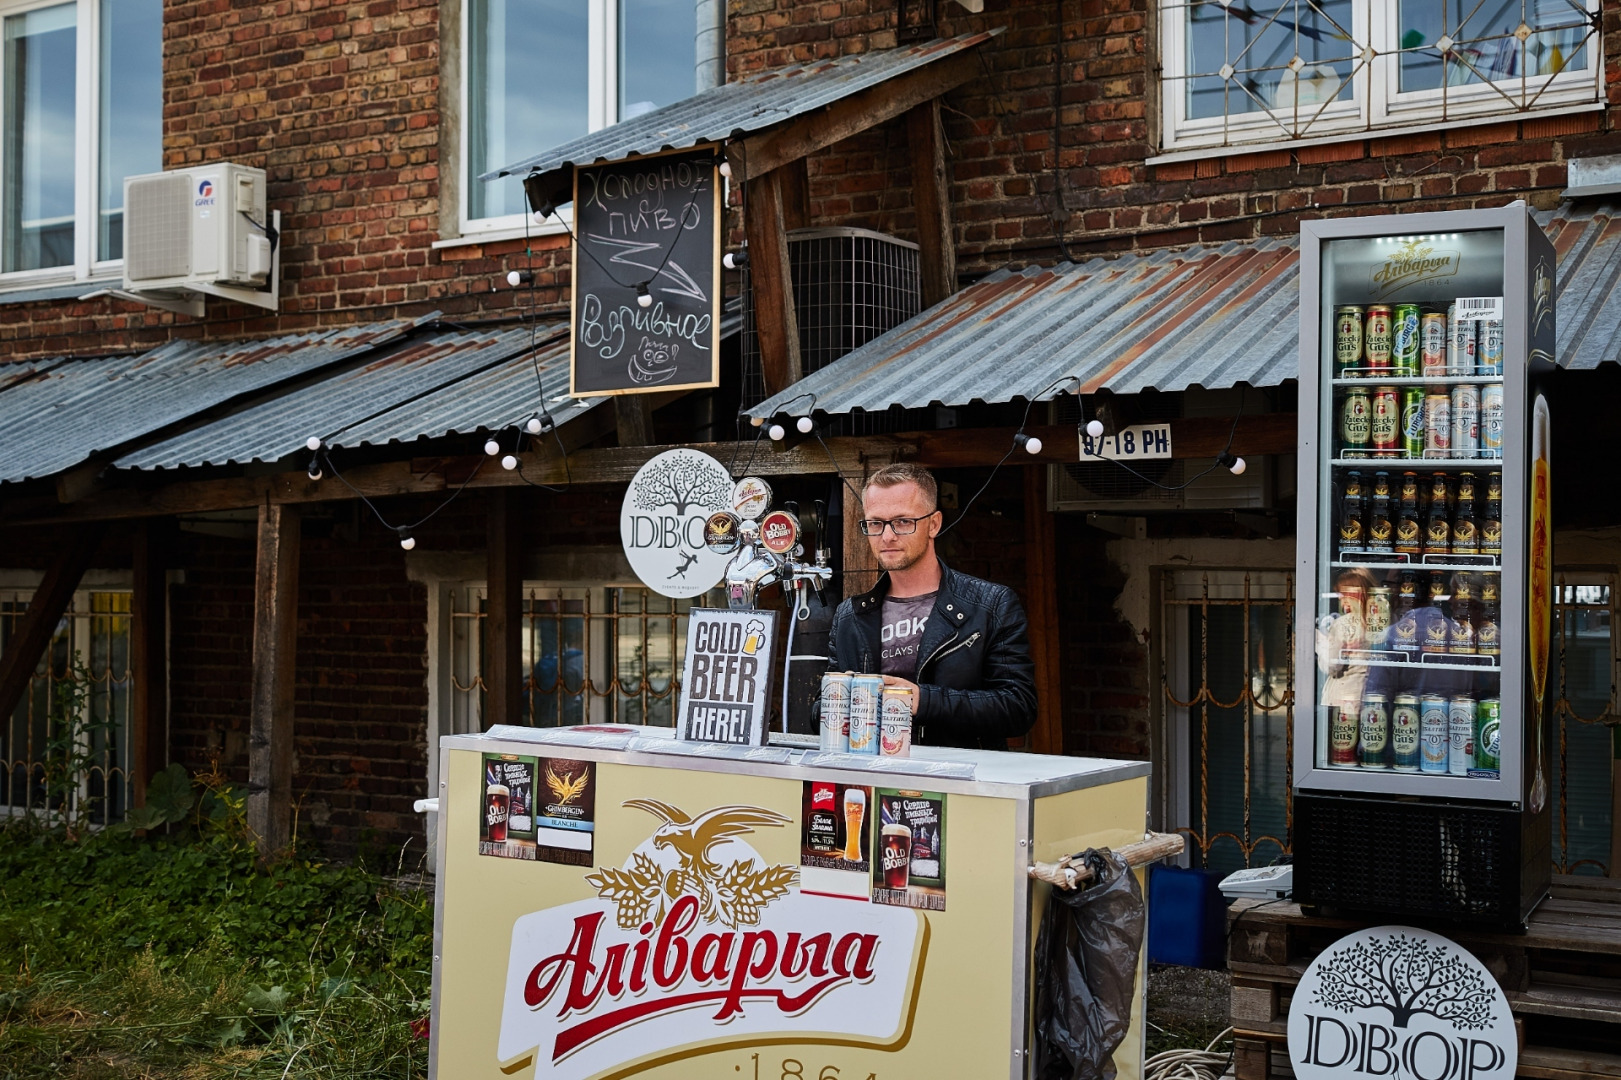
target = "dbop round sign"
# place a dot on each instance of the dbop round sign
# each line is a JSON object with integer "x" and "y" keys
{"x": 1404, "y": 1003}
{"x": 661, "y": 522}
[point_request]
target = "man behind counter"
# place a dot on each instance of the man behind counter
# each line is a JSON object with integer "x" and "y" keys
{"x": 958, "y": 644}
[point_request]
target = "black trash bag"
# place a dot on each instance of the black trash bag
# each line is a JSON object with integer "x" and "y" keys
{"x": 1086, "y": 972}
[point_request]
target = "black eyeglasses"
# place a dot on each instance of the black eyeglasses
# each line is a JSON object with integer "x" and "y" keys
{"x": 903, "y": 526}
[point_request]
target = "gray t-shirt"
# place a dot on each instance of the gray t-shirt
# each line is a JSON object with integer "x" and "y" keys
{"x": 901, "y": 633}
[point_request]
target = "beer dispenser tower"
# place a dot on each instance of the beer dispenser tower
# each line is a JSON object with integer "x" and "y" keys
{"x": 1423, "y": 588}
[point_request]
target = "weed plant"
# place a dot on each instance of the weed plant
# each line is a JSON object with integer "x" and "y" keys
{"x": 174, "y": 952}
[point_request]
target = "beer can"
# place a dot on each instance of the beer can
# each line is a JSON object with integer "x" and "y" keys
{"x": 1437, "y": 425}
{"x": 1404, "y": 343}
{"x": 895, "y": 723}
{"x": 1353, "y": 600}
{"x": 1355, "y": 420}
{"x": 1432, "y": 345}
{"x": 1488, "y": 733}
{"x": 1461, "y": 347}
{"x": 1375, "y": 733}
{"x": 1412, "y": 421}
{"x": 1489, "y": 353}
{"x": 836, "y": 711}
{"x": 1460, "y": 735}
{"x": 1491, "y": 420}
{"x": 1347, "y": 340}
{"x": 1433, "y": 734}
{"x": 1404, "y": 732}
{"x": 1376, "y": 619}
{"x": 1342, "y": 733}
{"x": 1376, "y": 340}
{"x": 1465, "y": 420}
{"x": 866, "y": 692}
{"x": 1384, "y": 421}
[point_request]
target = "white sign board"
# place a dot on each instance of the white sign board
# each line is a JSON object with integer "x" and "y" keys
{"x": 726, "y": 677}
{"x": 1398, "y": 1002}
{"x": 1143, "y": 442}
{"x": 661, "y": 522}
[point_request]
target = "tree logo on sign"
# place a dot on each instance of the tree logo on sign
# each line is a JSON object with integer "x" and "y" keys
{"x": 1404, "y": 976}
{"x": 681, "y": 484}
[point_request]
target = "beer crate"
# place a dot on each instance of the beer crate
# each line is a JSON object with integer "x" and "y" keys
{"x": 1562, "y": 978}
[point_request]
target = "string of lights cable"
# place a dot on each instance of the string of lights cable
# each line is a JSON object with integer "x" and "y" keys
{"x": 404, "y": 532}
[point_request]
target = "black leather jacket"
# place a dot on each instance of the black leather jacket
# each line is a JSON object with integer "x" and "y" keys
{"x": 976, "y": 679}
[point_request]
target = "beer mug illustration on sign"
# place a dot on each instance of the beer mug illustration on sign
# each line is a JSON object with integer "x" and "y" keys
{"x": 855, "y": 808}
{"x": 497, "y": 801}
{"x": 897, "y": 856}
{"x": 755, "y": 630}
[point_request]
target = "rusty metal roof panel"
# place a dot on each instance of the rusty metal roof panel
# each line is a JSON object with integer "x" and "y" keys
{"x": 752, "y": 103}
{"x": 1587, "y": 237}
{"x": 421, "y": 387}
{"x": 74, "y": 409}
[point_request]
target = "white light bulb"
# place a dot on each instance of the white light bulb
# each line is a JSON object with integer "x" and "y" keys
{"x": 509, "y": 463}
{"x": 541, "y": 216}
{"x": 726, "y": 168}
{"x": 1032, "y": 445}
{"x": 756, "y": 421}
{"x": 1238, "y": 467}
{"x": 533, "y": 426}
{"x": 312, "y": 443}
{"x": 408, "y": 542}
{"x": 805, "y": 425}
{"x": 492, "y": 448}
{"x": 776, "y": 432}
{"x": 514, "y": 278}
{"x": 1094, "y": 428}
{"x": 644, "y": 300}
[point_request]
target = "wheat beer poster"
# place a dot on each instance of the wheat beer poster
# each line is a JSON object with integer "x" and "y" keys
{"x": 538, "y": 809}
{"x": 835, "y": 843}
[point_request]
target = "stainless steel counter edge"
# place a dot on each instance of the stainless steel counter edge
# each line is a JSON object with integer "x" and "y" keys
{"x": 1090, "y": 772}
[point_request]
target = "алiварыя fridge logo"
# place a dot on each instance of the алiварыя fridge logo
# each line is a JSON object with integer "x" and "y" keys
{"x": 1399, "y": 1002}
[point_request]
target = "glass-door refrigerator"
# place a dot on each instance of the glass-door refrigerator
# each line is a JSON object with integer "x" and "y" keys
{"x": 1420, "y": 758}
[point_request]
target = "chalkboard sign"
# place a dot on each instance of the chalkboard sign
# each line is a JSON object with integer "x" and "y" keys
{"x": 653, "y": 220}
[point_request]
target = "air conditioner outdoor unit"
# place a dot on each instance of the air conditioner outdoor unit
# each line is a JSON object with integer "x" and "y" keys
{"x": 199, "y": 232}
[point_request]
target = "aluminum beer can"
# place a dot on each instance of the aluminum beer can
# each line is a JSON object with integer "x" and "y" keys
{"x": 1437, "y": 425}
{"x": 1461, "y": 346}
{"x": 1375, "y": 733}
{"x": 1342, "y": 733}
{"x": 866, "y": 692}
{"x": 1404, "y": 733}
{"x": 1356, "y": 420}
{"x": 1491, "y": 420}
{"x": 1412, "y": 421}
{"x": 1347, "y": 340}
{"x": 1489, "y": 353}
{"x": 1376, "y": 617}
{"x": 1465, "y": 420}
{"x": 1376, "y": 340}
{"x": 1384, "y": 422}
{"x": 1404, "y": 340}
{"x": 836, "y": 711}
{"x": 1460, "y": 735}
{"x": 1432, "y": 345}
{"x": 1488, "y": 733}
{"x": 895, "y": 723}
{"x": 1433, "y": 734}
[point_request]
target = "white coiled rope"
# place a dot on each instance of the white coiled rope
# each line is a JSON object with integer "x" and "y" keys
{"x": 1206, "y": 1064}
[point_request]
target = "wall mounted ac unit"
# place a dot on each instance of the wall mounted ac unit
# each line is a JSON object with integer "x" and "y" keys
{"x": 199, "y": 232}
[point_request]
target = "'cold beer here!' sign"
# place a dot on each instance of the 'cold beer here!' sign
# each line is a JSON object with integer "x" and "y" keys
{"x": 726, "y": 679}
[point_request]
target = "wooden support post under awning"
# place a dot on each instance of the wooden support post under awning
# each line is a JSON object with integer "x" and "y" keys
{"x": 771, "y": 286}
{"x": 149, "y": 608}
{"x": 20, "y": 657}
{"x": 503, "y": 615}
{"x": 270, "y": 709}
{"x": 931, "y": 195}
{"x": 860, "y": 565}
{"x": 1041, "y": 592}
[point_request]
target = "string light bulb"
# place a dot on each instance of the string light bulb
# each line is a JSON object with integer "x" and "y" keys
{"x": 509, "y": 462}
{"x": 1235, "y": 464}
{"x": 520, "y": 277}
{"x": 725, "y": 167}
{"x": 1094, "y": 428}
{"x": 491, "y": 447}
{"x": 313, "y": 443}
{"x": 776, "y": 432}
{"x": 534, "y": 425}
{"x": 1031, "y": 444}
{"x": 315, "y": 468}
{"x": 407, "y": 541}
{"x": 644, "y": 298}
{"x": 805, "y": 425}
{"x": 735, "y": 260}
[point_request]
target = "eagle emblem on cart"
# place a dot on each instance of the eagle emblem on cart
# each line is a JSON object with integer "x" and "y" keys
{"x": 698, "y": 857}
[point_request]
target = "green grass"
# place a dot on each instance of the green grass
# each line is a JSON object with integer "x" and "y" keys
{"x": 181, "y": 957}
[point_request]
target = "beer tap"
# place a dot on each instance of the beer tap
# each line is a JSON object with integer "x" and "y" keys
{"x": 823, "y": 554}
{"x": 765, "y": 550}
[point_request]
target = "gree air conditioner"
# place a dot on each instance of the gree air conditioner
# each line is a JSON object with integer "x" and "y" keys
{"x": 199, "y": 232}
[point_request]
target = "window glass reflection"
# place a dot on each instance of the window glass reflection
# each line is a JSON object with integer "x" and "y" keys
{"x": 131, "y": 115}
{"x": 37, "y": 133}
{"x": 1283, "y": 56}
{"x": 1486, "y": 40}
{"x": 658, "y": 56}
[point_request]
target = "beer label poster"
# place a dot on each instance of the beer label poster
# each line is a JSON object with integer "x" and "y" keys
{"x": 538, "y": 809}
{"x": 909, "y": 864}
{"x": 835, "y": 840}
{"x": 726, "y": 677}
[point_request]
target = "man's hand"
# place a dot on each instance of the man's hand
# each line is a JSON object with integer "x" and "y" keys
{"x": 910, "y": 687}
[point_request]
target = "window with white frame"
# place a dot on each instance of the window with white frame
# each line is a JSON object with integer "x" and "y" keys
{"x": 542, "y": 72}
{"x": 1239, "y": 72}
{"x": 81, "y": 108}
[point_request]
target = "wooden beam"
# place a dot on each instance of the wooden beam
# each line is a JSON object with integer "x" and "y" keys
{"x": 503, "y": 614}
{"x": 633, "y": 418}
{"x": 1041, "y": 589}
{"x": 50, "y": 601}
{"x": 860, "y": 565}
{"x": 149, "y": 606}
{"x": 270, "y": 701}
{"x": 760, "y": 154}
{"x": 796, "y": 194}
{"x": 770, "y": 284}
{"x": 931, "y": 197}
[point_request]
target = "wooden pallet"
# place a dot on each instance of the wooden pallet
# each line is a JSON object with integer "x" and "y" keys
{"x": 1562, "y": 978}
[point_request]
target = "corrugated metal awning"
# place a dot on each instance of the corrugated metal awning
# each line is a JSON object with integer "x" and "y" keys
{"x": 1208, "y": 316}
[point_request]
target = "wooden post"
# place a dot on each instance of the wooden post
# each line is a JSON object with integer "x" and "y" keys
{"x": 860, "y": 566}
{"x": 149, "y": 713}
{"x": 773, "y": 293}
{"x": 633, "y": 417}
{"x": 275, "y": 639}
{"x": 795, "y": 194}
{"x": 1041, "y": 588}
{"x": 503, "y": 615}
{"x": 931, "y": 195}
{"x": 33, "y": 633}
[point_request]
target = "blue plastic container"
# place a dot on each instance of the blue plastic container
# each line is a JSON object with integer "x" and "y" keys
{"x": 1187, "y": 918}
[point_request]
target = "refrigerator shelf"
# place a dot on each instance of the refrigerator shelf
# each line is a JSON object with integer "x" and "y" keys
{"x": 1387, "y": 563}
{"x": 1430, "y": 662}
{"x": 1408, "y": 464}
{"x": 1416, "y": 380}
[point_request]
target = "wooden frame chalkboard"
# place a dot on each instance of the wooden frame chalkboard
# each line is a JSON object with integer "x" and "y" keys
{"x": 653, "y": 219}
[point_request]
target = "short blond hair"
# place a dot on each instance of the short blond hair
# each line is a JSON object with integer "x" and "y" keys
{"x": 905, "y": 472}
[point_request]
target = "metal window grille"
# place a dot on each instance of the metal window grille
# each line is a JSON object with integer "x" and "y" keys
{"x": 91, "y": 643}
{"x": 1585, "y": 715}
